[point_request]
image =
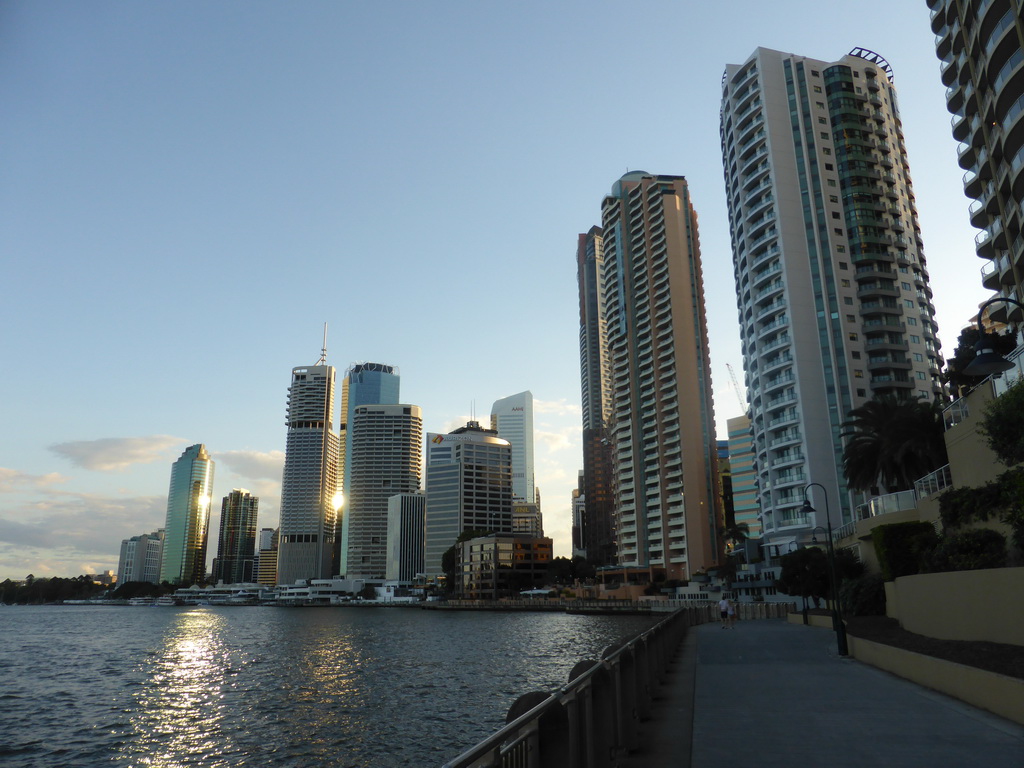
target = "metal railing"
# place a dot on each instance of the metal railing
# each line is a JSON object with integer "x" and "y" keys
{"x": 594, "y": 719}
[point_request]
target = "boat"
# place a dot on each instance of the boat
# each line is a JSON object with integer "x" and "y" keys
{"x": 141, "y": 601}
{"x": 166, "y": 600}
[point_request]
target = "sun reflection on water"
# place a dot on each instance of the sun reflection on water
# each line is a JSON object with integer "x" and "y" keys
{"x": 179, "y": 708}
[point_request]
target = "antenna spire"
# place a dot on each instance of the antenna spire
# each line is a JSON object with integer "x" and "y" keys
{"x": 323, "y": 349}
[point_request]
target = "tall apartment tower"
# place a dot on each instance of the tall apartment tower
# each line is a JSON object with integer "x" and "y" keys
{"x": 512, "y": 419}
{"x": 597, "y": 518}
{"x": 744, "y": 476}
{"x": 469, "y": 487}
{"x": 309, "y": 484}
{"x": 188, "y": 517}
{"x": 236, "y": 545}
{"x": 364, "y": 384}
{"x": 140, "y": 558}
{"x": 663, "y": 422}
{"x": 981, "y": 45}
{"x": 385, "y": 460}
{"x": 832, "y": 288}
{"x": 406, "y": 516}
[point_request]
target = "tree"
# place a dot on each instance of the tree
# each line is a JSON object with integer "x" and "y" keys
{"x": 891, "y": 443}
{"x": 805, "y": 574}
{"x": 1002, "y": 343}
{"x": 1003, "y": 425}
{"x": 736, "y": 533}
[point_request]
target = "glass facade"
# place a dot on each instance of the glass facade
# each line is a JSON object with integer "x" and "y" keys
{"x": 188, "y": 518}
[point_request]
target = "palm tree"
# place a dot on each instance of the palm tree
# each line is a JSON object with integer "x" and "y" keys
{"x": 736, "y": 533}
{"x": 891, "y": 443}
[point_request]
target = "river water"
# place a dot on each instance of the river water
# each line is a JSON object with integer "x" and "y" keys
{"x": 352, "y": 687}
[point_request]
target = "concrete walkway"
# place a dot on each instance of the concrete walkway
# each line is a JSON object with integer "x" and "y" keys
{"x": 769, "y": 693}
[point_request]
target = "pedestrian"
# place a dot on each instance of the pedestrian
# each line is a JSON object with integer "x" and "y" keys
{"x": 724, "y": 605}
{"x": 732, "y": 614}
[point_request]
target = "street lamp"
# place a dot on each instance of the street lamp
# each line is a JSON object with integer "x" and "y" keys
{"x": 986, "y": 360}
{"x": 837, "y": 616}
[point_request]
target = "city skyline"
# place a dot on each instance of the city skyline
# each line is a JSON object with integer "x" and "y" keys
{"x": 162, "y": 159}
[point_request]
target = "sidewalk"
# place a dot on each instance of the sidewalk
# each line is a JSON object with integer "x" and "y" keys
{"x": 769, "y": 693}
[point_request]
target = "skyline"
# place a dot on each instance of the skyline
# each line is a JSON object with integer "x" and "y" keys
{"x": 192, "y": 191}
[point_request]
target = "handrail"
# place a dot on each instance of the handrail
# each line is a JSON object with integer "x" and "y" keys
{"x": 595, "y": 716}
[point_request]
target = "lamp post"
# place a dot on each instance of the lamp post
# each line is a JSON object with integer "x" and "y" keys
{"x": 986, "y": 360}
{"x": 837, "y": 616}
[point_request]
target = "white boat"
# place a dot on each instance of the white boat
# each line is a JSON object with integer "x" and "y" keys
{"x": 141, "y": 601}
{"x": 166, "y": 600}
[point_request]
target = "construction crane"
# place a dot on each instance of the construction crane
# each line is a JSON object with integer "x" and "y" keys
{"x": 736, "y": 388}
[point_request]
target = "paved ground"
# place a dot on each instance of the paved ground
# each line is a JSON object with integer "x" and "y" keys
{"x": 769, "y": 693}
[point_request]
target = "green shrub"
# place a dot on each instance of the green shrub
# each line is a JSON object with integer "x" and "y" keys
{"x": 864, "y": 596}
{"x": 1003, "y": 425}
{"x": 969, "y": 551}
{"x": 902, "y": 547}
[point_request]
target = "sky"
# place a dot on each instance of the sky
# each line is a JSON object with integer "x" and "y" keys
{"x": 190, "y": 190}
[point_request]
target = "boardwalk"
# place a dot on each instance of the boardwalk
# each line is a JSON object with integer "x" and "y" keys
{"x": 772, "y": 694}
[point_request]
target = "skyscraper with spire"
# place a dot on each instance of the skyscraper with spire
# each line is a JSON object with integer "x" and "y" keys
{"x": 188, "y": 517}
{"x": 309, "y": 485}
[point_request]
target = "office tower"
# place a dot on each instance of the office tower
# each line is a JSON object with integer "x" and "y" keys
{"x": 266, "y": 557}
{"x": 598, "y": 514}
{"x": 981, "y": 45}
{"x": 236, "y": 545}
{"x": 364, "y": 384}
{"x": 832, "y": 288}
{"x": 579, "y": 503}
{"x": 663, "y": 421}
{"x": 512, "y": 419}
{"x": 140, "y": 558}
{"x": 385, "y": 459}
{"x": 406, "y": 517}
{"x": 527, "y": 518}
{"x": 309, "y": 484}
{"x": 469, "y": 487}
{"x": 188, "y": 517}
{"x": 744, "y": 476}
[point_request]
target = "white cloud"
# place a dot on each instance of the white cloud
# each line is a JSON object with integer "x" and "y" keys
{"x": 12, "y": 480}
{"x": 112, "y": 454}
{"x": 560, "y": 407}
{"x": 256, "y": 465}
{"x": 559, "y": 440}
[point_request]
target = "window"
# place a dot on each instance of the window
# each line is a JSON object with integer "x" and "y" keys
{"x": 831, "y": 183}
{"x": 905, "y": 286}
{"x": 915, "y": 339}
{"x": 829, "y": 167}
{"x": 814, "y": 73}
{"x": 823, "y": 135}
{"x": 918, "y": 357}
{"x": 833, "y": 198}
{"x": 851, "y": 319}
{"x": 858, "y": 374}
{"x": 838, "y": 231}
{"x": 841, "y": 249}
{"x": 819, "y": 104}
{"x": 847, "y": 300}
{"x": 861, "y": 393}
{"x": 827, "y": 151}
{"x": 911, "y": 321}
{"x": 922, "y": 375}
{"x": 823, "y": 121}
{"x": 908, "y": 303}
{"x": 835, "y": 214}
{"x": 853, "y": 337}
{"x": 845, "y": 283}
{"x": 855, "y": 355}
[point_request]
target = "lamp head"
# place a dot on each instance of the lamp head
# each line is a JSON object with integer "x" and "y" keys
{"x": 807, "y": 509}
{"x": 986, "y": 360}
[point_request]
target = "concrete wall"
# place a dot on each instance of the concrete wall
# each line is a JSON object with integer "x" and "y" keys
{"x": 996, "y": 693}
{"x": 961, "y": 605}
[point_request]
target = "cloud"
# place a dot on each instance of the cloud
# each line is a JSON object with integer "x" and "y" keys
{"x": 12, "y": 480}
{"x": 90, "y": 525}
{"x": 112, "y": 454}
{"x": 560, "y": 407}
{"x": 558, "y": 440}
{"x": 255, "y": 465}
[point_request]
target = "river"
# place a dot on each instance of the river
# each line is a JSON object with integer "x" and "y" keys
{"x": 234, "y": 686}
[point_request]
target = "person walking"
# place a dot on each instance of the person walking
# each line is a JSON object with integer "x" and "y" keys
{"x": 724, "y": 606}
{"x": 732, "y": 614}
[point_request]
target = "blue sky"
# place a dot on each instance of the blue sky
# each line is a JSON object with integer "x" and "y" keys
{"x": 189, "y": 190}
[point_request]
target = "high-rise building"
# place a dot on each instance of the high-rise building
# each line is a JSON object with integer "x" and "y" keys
{"x": 385, "y": 459}
{"x": 236, "y": 545}
{"x": 744, "y": 476}
{"x": 512, "y": 419}
{"x": 406, "y": 516}
{"x": 597, "y": 519}
{"x": 309, "y": 484}
{"x": 981, "y": 45}
{"x": 188, "y": 517}
{"x": 662, "y": 426}
{"x": 364, "y": 384}
{"x": 831, "y": 281}
{"x": 266, "y": 557}
{"x": 579, "y": 503}
{"x": 140, "y": 558}
{"x": 469, "y": 487}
